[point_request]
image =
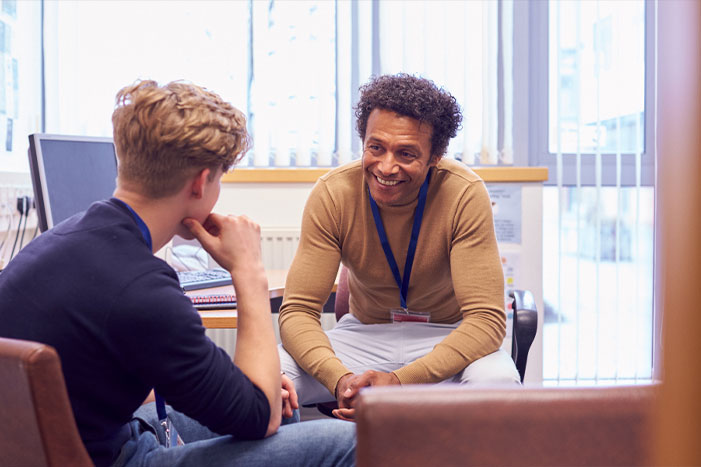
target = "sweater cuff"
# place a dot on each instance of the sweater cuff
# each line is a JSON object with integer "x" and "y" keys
{"x": 332, "y": 371}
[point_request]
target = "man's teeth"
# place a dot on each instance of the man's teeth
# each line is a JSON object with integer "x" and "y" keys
{"x": 387, "y": 182}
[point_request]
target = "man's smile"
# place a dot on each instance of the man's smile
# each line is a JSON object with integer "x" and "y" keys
{"x": 385, "y": 182}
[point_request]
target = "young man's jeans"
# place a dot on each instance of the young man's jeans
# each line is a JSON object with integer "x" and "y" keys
{"x": 317, "y": 443}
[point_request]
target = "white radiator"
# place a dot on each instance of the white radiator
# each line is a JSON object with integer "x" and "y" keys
{"x": 278, "y": 247}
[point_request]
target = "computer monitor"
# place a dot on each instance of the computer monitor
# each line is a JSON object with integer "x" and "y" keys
{"x": 69, "y": 173}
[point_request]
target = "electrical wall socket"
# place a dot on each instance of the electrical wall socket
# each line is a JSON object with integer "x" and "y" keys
{"x": 10, "y": 219}
{"x": 8, "y": 199}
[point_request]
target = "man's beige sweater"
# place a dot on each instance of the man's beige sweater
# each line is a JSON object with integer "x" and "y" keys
{"x": 456, "y": 272}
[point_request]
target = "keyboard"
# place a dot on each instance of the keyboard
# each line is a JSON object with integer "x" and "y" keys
{"x": 195, "y": 280}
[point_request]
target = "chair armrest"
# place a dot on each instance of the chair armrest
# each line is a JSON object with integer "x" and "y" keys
{"x": 524, "y": 329}
{"x": 457, "y": 425}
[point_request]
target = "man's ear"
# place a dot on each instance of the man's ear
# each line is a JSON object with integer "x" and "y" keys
{"x": 434, "y": 160}
{"x": 198, "y": 183}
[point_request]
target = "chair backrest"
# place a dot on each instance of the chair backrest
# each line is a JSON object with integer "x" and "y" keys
{"x": 413, "y": 425}
{"x": 342, "y": 294}
{"x": 37, "y": 426}
{"x": 525, "y": 326}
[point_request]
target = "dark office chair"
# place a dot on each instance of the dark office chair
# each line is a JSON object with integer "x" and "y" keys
{"x": 37, "y": 426}
{"x": 522, "y": 335}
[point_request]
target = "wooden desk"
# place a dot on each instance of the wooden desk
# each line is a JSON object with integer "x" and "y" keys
{"x": 227, "y": 319}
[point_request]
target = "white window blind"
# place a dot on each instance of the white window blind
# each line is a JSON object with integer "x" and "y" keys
{"x": 292, "y": 89}
{"x": 92, "y": 49}
{"x": 20, "y": 84}
{"x": 293, "y": 66}
{"x": 456, "y": 44}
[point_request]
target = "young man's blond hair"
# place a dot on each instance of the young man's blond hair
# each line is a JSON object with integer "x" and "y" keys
{"x": 165, "y": 135}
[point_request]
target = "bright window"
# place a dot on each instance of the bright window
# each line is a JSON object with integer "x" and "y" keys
{"x": 598, "y": 208}
{"x": 20, "y": 82}
{"x": 597, "y": 71}
{"x": 293, "y": 66}
{"x": 95, "y": 48}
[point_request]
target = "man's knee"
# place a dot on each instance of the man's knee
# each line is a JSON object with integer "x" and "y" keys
{"x": 288, "y": 364}
{"x": 309, "y": 390}
{"x": 495, "y": 368}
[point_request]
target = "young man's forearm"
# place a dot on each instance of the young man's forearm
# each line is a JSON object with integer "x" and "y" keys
{"x": 256, "y": 349}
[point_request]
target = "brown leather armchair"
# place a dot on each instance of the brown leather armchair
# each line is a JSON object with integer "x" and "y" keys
{"x": 461, "y": 425}
{"x": 37, "y": 427}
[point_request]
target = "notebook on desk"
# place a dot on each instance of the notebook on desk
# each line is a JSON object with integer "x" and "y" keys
{"x": 213, "y": 301}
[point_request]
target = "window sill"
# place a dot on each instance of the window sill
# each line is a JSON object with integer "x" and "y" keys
{"x": 310, "y": 175}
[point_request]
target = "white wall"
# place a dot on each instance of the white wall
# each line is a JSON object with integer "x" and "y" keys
{"x": 268, "y": 204}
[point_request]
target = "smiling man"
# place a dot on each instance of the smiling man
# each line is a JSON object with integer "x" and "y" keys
{"x": 416, "y": 234}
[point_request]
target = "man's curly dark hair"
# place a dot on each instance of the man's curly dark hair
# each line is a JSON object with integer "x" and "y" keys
{"x": 414, "y": 97}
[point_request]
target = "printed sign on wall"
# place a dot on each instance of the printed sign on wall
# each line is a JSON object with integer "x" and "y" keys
{"x": 506, "y": 208}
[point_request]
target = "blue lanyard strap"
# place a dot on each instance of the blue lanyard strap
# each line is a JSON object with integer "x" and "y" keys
{"x": 160, "y": 407}
{"x": 140, "y": 223}
{"x": 403, "y": 284}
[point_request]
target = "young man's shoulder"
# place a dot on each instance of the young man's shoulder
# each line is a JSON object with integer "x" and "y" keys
{"x": 97, "y": 252}
{"x": 104, "y": 236}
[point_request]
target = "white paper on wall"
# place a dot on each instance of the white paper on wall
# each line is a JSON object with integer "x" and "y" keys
{"x": 506, "y": 208}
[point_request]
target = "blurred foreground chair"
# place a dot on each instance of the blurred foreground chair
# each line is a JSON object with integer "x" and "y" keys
{"x": 451, "y": 425}
{"x": 37, "y": 427}
{"x": 525, "y": 324}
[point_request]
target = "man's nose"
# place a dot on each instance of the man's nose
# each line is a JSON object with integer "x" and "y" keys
{"x": 388, "y": 164}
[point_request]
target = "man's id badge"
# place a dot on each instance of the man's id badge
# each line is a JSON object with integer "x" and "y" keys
{"x": 173, "y": 439}
{"x": 401, "y": 315}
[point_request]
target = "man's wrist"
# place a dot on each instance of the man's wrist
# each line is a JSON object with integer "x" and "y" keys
{"x": 338, "y": 383}
{"x": 395, "y": 378}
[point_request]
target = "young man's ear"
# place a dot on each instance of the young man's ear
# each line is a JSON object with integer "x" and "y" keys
{"x": 434, "y": 160}
{"x": 198, "y": 183}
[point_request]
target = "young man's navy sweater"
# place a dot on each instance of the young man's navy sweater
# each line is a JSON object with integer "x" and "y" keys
{"x": 91, "y": 288}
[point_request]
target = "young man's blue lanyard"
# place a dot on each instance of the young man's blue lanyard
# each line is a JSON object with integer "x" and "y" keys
{"x": 403, "y": 284}
{"x": 160, "y": 403}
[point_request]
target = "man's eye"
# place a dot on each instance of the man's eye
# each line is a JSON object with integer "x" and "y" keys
{"x": 374, "y": 147}
{"x": 408, "y": 154}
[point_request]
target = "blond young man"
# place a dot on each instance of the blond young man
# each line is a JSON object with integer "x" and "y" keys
{"x": 121, "y": 324}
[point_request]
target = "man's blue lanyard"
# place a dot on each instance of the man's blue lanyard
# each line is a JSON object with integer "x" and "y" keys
{"x": 403, "y": 284}
{"x": 160, "y": 403}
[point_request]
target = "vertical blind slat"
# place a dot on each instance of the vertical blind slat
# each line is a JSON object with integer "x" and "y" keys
{"x": 507, "y": 34}
{"x": 636, "y": 249}
{"x": 619, "y": 213}
{"x": 578, "y": 188}
{"x": 598, "y": 175}
{"x": 560, "y": 192}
